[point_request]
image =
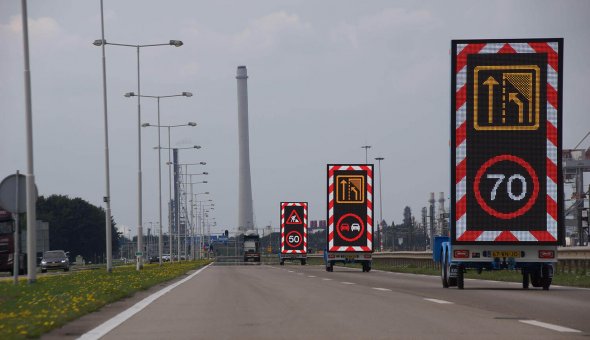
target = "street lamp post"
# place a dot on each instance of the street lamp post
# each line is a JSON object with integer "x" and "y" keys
{"x": 170, "y": 185}
{"x": 183, "y": 94}
{"x": 366, "y": 147}
{"x": 176, "y": 43}
{"x": 192, "y": 222}
{"x": 159, "y": 147}
{"x": 379, "y": 159}
{"x": 202, "y": 227}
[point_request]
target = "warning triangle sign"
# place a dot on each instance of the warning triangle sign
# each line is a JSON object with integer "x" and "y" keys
{"x": 294, "y": 218}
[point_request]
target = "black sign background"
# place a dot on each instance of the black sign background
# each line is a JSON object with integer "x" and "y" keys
{"x": 531, "y": 146}
{"x": 299, "y": 228}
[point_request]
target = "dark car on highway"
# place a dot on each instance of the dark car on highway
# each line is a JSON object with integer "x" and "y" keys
{"x": 55, "y": 259}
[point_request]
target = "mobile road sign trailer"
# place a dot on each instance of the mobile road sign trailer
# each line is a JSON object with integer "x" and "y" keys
{"x": 350, "y": 215}
{"x": 293, "y": 232}
{"x": 506, "y": 176}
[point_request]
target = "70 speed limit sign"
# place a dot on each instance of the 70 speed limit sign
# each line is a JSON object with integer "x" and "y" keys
{"x": 506, "y": 133}
{"x": 293, "y": 227}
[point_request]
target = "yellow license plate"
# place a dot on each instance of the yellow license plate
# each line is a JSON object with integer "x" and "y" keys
{"x": 506, "y": 253}
{"x": 350, "y": 257}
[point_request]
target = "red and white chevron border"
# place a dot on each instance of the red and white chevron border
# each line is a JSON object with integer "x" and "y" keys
{"x": 297, "y": 204}
{"x": 552, "y": 50}
{"x": 369, "y": 245}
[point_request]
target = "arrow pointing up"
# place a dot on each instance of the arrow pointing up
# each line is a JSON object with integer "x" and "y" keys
{"x": 490, "y": 83}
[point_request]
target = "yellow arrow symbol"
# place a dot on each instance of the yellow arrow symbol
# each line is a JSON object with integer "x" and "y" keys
{"x": 490, "y": 82}
{"x": 512, "y": 97}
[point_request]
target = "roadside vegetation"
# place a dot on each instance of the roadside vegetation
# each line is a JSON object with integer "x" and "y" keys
{"x": 580, "y": 279}
{"x": 29, "y": 310}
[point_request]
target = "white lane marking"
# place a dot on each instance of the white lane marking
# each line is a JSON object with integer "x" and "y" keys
{"x": 438, "y": 301}
{"x": 382, "y": 289}
{"x": 348, "y": 283}
{"x": 290, "y": 271}
{"x": 118, "y": 319}
{"x": 550, "y": 326}
{"x": 311, "y": 276}
{"x": 326, "y": 279}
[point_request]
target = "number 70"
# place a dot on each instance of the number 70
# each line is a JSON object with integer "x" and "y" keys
{"x": 500, "y": 178}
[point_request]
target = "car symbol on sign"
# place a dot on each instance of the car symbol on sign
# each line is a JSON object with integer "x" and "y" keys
{"x": 356, "y": 227}
{"x": 344, "y": 226}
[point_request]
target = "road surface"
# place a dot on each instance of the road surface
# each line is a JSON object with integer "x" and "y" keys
{"x": 306, "y": 302}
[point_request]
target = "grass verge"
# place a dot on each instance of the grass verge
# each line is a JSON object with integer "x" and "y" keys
{"x": 29, "y": 310}
{"x": 562, "y": 279}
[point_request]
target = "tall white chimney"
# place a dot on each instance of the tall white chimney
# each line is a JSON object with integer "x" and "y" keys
{"x": 245, "y": 211}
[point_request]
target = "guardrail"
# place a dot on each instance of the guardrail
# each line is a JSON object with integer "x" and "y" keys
{"x": 570, "y": 259}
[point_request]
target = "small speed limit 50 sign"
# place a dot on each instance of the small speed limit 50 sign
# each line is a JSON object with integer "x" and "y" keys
{"x": 506, "y": 133}
{"x": 293, "y": 227}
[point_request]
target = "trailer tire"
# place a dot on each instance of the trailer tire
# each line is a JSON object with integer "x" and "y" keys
{"x": 535, "y": 275}
{"x": 282, "y": 263}
{"x": 525, "y": 278}
{"x": 303, "y": 262}
{"x": 460, "y": 277}
{"x": 546, "y": 276}
{"x": 443, "y": 273}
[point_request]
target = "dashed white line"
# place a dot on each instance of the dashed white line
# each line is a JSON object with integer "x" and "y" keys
{"x": 382, "y": 289}
{"x": 290, "y": 271}
{"x": 311, "y": 276}
{"x": 550, "y": 326}
{"x": 326, "y": 279}
{"x": 442, "y": 302}
{"x": 348, "y": 283}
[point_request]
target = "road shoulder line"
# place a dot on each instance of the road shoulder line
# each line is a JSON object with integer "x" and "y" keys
{"x": 118, "y": 319}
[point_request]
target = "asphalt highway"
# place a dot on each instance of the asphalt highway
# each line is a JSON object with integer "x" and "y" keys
{"x": 306, "y": 302}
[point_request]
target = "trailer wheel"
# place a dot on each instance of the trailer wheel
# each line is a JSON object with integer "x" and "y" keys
{"x": 330, "y": 267}
{"x": 460, "y": 277}
{"x": 547, "y": 276}
{"x": 525, "y": 278}
{"x": 282, "y": 263}
{"x": 443, "y": 273}
{"x": 303, "y": 262}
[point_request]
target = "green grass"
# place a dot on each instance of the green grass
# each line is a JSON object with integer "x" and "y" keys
{"x": 29, "y": 310}
{"x": 562, "y": 279}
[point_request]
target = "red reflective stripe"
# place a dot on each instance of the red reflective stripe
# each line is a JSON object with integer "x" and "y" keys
{"x": 461, "y": 207}
{"x": 460, "y": 134}
{"x": 470, "y": 235}
{"x": 552, "y": 96}
{"x": 551, "y": 207}
{"x": 551, "y": 170}
{"x": 460, "y": 97}
{"x": 460, "y": 171}
{"x": 462, "y": 56}
{"x": 544, "y": 236}
{"x": 506, "y": 236}
{"x": 507, "y": 49}
{"x": 552, "y": 57}
{"x": 552, "y": 133}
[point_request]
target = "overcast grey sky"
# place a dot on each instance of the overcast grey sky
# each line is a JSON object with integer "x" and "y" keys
{"x": 325, "y": 78}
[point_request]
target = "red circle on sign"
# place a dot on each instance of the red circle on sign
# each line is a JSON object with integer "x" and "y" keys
{"x": 360, "y": 232}
{"x": 289, "y": 243}
{"x": 494, "y": 212}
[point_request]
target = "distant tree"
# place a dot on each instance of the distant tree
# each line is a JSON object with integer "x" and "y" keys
{"x": 76, "y": 226}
